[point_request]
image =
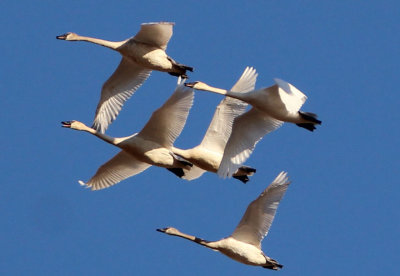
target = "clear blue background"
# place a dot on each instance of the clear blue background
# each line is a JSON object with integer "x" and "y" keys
{"x": 340, "y": 216}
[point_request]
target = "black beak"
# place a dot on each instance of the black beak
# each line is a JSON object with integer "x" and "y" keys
{"x": 190, "y": 84}
{"x": 161, "y": 230}
{"x": 62, "y": 37}
{"x": 66, "y": 124}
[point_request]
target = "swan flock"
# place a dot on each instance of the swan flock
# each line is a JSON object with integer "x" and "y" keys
{"x": 243, "y": 117}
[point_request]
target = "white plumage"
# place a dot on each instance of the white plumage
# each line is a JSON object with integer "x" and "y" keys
{"x": 151, "y": 146}
{"x": 208, "y": 154}
{"x": 244, "y": 245}
{"x": 140, "y": 55}
{"x": 271, "y": 107}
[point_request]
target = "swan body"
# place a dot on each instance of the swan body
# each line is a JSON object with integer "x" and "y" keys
{"x": 244, "y": 244}
{"x": 151, "y": 146}
{"x": 281, "y": 101}
{"x": 271, "y": 107}
{"x": 208, "y": 155}
{"x": 140, "y": 55}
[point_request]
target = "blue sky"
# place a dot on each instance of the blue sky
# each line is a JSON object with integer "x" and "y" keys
{"x": 339, "y": 216}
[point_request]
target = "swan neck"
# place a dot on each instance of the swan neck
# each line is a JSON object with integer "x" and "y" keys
{"x": 104, "y": 137}
{"x": 109, "y": 44}
{"x": 206, "y": 87}
{"x": 232, "y": 94}
{"x": 194, "y": 239}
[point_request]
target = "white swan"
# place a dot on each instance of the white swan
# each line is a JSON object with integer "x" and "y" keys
{"x": 140, "y": 55}
{"x": 208, "y": 154}
{"x": 151, "y": 146}
{"x": 271, "y": 107}
{"x": 244, "y": 245}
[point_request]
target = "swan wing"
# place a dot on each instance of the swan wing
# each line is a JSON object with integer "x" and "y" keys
{"x": 118, "y": 168}
{"x": 167, "y": 122}
{"x": 126, "y": 79}
{"x": 291, "y": 97}
{"x": 260, "y": 213}
{"x": 247, "y": 130}
{"x": 229, "y": 108}
{"x": 156, "y": 34}
{"x": 193, "y": 173}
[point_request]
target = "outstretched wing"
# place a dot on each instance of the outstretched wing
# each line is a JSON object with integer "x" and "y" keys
{"x": 260, "y": 213}
{"x": 167, "y": 122}
{"x": 229, "y": 108}
{"x": 118, "y": 168}
{"x": 156, "y": 34}
{"x": 126, "y": 79}
{"x": 247, "y": 130}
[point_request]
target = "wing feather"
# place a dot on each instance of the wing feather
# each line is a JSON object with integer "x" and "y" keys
{"x": 118, "y": 168}
{"x": 167, "y": 122}
{"x": 229, "y": 108}
{"x": 247, "y": 130}
{"x": 156, "y": 34}
{"x": 126, "y": 79}
{"x": 260, "y": 213}
{"x": 291, "y": 97}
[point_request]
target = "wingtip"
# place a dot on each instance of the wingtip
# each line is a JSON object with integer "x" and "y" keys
{"x": 282, "y": 178}
{"x": 83, "y": 184}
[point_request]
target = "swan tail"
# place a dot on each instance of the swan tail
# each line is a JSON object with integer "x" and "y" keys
{"x": 311, "y": 118}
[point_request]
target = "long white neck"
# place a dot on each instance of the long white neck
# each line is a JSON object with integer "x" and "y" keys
{"x": 109, "y": 44}
{"x": 106, "y": 138}
{"x": 205, "y": 87}
{"x": 195, "y": 239}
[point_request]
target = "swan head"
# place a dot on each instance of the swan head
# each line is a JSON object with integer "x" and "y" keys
{"x": 198, "y": 85}
{"x": 67, "y": 36}
{"x": 74, "y": 125}
{"x": 169, "y": 231}
{"x": 195, "y": 84}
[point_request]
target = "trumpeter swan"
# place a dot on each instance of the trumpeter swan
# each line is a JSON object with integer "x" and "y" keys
{"x": 140, "y": 55}
{"x": 244, "y": 245}
{"x": 271, "y": 107}
{"x": 208, "y": 154}
{"x": 151, "y": 146}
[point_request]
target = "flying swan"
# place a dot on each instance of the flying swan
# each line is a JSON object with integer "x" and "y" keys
{"x": 140, "y": 55}
{"x": 151, "y": 146}
{"x": 208, "y": 154}
{"x": 244, "y": 245}
{"x": 271, "y": 107}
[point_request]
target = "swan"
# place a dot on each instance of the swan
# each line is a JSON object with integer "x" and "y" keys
{"x": 244, "y": 244}
{"x": 271, "y": 107}
{"x": 140, "y": 55}
{"x": 151, "y": 146}
{"x": 208, "y": 154}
